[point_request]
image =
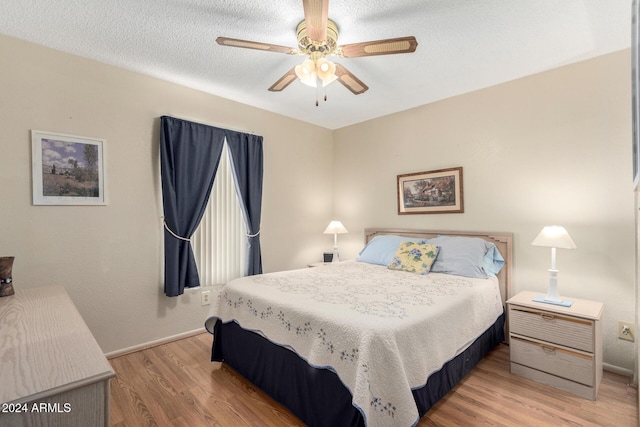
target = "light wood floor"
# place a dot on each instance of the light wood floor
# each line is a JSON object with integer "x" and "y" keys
{"x": 175, "y": 385}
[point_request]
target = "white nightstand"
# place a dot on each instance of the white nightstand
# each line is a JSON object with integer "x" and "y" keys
{"x": 321, "y": 264}
{"x": 317, "y": 264}
{"x": 557, "y": 346}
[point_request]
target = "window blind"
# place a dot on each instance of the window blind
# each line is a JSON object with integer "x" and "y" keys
{"x": 220, "y": 243}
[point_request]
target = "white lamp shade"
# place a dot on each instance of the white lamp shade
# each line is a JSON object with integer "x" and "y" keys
{"x": 326, "y": 71}
{"x": 335, "y": 227}
{"x": 554, "y": 236}
{"x": 329, "y": 80}
{"x": 306, "y": 72}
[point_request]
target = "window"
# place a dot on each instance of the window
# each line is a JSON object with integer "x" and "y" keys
{"x": 220, "y": 242}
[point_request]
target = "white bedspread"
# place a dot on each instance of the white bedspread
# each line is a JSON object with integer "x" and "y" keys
{"x": 382, "y": 331}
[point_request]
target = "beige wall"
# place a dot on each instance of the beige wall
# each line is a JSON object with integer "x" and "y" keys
{"x": 109, "y": 258}
{"x": 553, "y": 148}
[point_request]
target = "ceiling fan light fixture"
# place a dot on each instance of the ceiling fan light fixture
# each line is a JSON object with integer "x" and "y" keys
{"x": 310, "y": 71}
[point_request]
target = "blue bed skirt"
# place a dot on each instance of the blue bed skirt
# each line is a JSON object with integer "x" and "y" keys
{"x": 317, "y": 396}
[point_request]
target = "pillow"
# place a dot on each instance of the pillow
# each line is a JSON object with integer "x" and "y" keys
{"x": 466, "y": 256}
{"x": 414, "y": 257}
{"x": 381, "y": 249}
{"x": 492, "y": 261}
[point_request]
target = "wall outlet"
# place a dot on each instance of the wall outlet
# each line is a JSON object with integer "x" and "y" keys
{"x": 206, "y": 297}
{"x": 626, "y": 331}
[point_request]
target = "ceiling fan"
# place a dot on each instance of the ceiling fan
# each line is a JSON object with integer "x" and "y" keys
{"x": 317, "y": 39}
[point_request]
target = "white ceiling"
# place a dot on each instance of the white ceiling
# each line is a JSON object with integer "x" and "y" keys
{"x": 463, "y": 45}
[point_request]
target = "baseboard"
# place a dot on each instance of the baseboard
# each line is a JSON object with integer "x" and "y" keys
{"x": 154, "y": 343}
{"x": 618, "y": 370}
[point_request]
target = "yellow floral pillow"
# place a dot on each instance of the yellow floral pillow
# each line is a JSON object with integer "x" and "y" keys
{"x": 414, "y": 257}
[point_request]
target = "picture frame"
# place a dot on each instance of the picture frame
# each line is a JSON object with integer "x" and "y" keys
{"x": 431, "y": 192}
{"x": 635, "y": 91}
{"x": 67, "y": 169}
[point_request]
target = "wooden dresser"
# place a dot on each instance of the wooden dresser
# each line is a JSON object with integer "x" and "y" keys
{"x": 557, "y": 346}
{"x": 52, "y": 371}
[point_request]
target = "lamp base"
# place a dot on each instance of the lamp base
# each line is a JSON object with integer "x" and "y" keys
{"x": 562, "y": 302}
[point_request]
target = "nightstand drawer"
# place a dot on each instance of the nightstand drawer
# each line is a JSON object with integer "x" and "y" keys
{"x": 559, "y": 361}
{"x": 554, "y": 328}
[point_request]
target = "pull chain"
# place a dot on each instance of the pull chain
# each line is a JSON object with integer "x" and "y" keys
{"x": 317, "y": 93}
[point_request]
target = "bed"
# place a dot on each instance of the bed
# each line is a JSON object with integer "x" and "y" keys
{"x": 361, "y": 343}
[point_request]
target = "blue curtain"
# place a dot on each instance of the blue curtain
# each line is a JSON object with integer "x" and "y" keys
{"x": 189, "y": 157}
{"x": 246, "y": 161}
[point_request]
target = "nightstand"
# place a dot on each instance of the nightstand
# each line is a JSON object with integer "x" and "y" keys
{"x": 557, "y": 346}
{"x": 321, "y": 264}
{"x": 317, "y": 264}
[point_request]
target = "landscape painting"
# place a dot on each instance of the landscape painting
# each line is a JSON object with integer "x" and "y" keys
{"x": 67, "y": 170}
{"x": 438, "y": 191}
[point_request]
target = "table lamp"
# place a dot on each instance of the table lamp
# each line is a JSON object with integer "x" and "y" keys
{"x": 335, "y": 228}
{"x": 554, "y": 236}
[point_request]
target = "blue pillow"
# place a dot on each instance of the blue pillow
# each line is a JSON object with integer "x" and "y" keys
{"x": 492, "y": 261}
{"x": 466, "y": 256}
{"x": 381, "y": 249}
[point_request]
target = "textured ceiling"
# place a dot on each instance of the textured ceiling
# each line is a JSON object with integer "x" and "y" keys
{"x": 463, "y": 45}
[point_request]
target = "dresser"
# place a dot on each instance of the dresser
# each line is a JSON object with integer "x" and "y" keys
{"x": 52, "y": 371}
{"x": 557, "y": 346}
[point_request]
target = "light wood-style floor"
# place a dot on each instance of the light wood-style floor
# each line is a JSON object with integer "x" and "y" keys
{"x": 175, "y": 385}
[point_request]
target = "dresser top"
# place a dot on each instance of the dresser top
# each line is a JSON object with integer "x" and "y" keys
{"x": 580, "y": 308}
{"x": 45, "y": 346}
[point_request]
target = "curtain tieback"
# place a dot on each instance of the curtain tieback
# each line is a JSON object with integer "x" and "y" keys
{"x": 252, "y": 235}
{"x": 172, "y": 233}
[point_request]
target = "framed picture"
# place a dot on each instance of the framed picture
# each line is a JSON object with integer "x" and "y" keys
{"x": 438, "y": 191}
{"x": 635, "y": 91}
{"x": 67, "y": 169}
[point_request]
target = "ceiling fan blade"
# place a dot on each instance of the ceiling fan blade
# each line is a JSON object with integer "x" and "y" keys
{"x": 284, "y": 81}
{"x": 316, "y": 14}
{"x": 379, "y": 47}
{"x": 225, "y": 41}
{"x": 350, "y": 81}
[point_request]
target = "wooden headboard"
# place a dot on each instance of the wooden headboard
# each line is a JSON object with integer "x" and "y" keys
{"x": 502, "y": 240}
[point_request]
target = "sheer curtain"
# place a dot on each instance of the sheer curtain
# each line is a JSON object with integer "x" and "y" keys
{"x": 189, "y": 156}
{"x": 247, "y": 163}
{"x": 220, "y": 243}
